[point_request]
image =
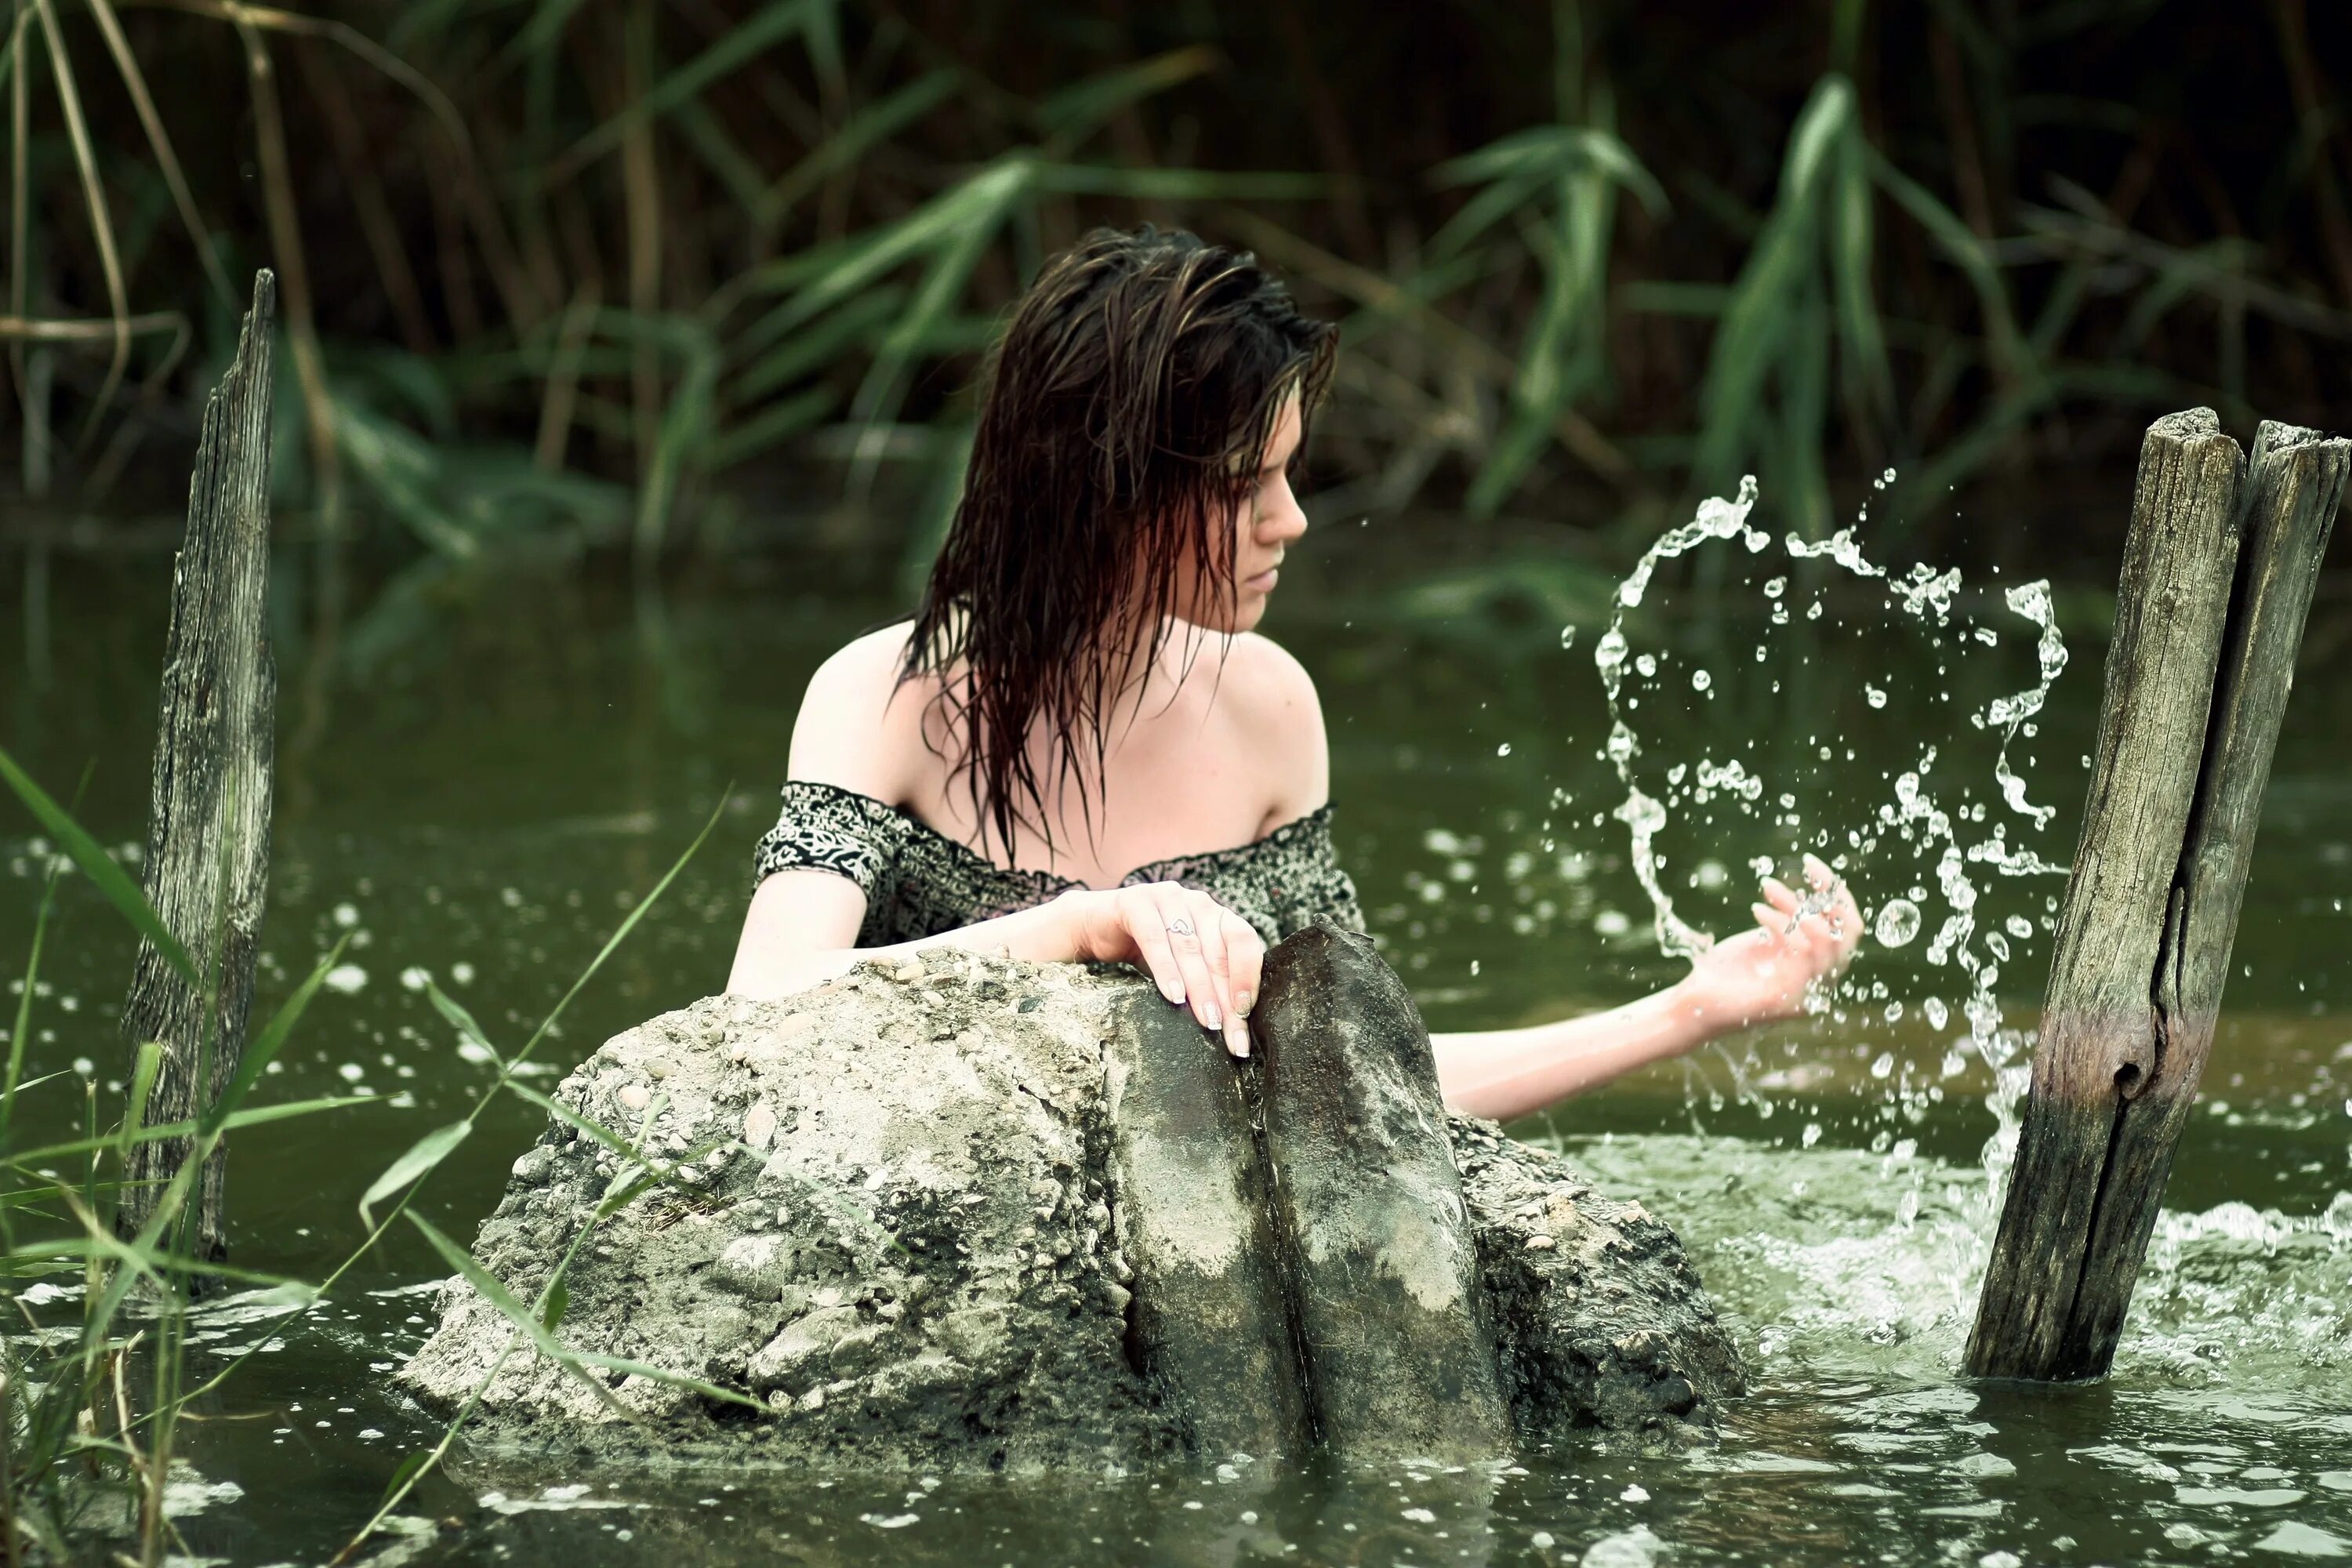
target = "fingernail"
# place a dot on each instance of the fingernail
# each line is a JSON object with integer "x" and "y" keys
{"x": 1175, "y": 998}
{"x": 1242, "y": 1000}
{"x": 1237, "y": 1042}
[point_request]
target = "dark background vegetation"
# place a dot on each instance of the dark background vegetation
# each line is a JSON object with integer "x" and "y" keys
{"x": 568, "y": 277}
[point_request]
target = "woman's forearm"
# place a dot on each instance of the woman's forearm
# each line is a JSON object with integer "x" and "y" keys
{"x": 1504, "y": 1073}
{"x": 1044, "y": 934}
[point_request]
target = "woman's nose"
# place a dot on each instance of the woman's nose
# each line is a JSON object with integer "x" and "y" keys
{"x": 1281, "y": 519}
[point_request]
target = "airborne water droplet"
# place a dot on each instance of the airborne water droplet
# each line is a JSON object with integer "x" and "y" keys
{"x": 1877, "y": 698}
{"x": 1567, "y": 637}
{"x": 1504, "y": 749}
{"x": 1898, "y": 922}
{"x": 1701, "y": 680}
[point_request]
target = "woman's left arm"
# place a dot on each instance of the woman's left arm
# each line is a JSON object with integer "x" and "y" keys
{"x": 1756, "y": 977}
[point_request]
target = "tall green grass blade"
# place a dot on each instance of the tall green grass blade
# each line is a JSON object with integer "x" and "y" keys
{"x": 264, "y": 1048}
{"x": 543, "y": 32}
{"x": 155, "y": 1263}
{"x": 143, "y": 1071}
{"x": 405, "y": 1477}
{"x": 1181, "y": 184}
{"x": 542, "y": 1339}
{"x": 1956, "y": 240}
{"x": 422, "y": 1156}
{"x": 1804, "y": 407}
{"x": 254, "y": 1116}
{"x": 488, "y": 1287}
{"x": 13, "y": 1085}
{"x": 102, "y": 872}
{"x": 588, "y": 1126}
{"x": 1545, "y": 152}
{"x": 1503, "y": 196}
{"x": 853, "y": 139}
{"x": 937, "y": 516}
{"x": 454, "y": 1013}
{"x": 403, "y": 472}
{"x": 949, "y": 274}
{"x": 133, "y": 1255}
{"x": 1824, "y": 119}
{"x": 1663, "y": 298}
{"x": 735, "y": 170}
{"x": 30, "y": 1084}
{"x": 879, "y": 251}
{"x": 817, "y": 346}
{"x": 825, "y": 47}
{"x": 1757, "y": 342}
{"x": 757, "y": 33}
{"x": 620, "y": 934}
{"x": 773, "y": 425}
{"x": 422, "y": 20}
{"x": 1863, "y": 346}
{"x": 684, "y": 422}
{"x": 1076, "y": 112}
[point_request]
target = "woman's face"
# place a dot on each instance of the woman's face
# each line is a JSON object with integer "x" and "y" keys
{"x": 1263, "y": 524}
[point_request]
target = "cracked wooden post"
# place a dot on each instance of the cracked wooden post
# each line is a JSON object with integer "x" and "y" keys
{"x": 2209, "y": 618}
{"x": 208, "y": 816}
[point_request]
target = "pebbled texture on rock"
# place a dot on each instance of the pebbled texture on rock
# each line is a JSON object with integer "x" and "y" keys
{"x": 1600, "y": 1320}
{"x": 891, "y": 1216}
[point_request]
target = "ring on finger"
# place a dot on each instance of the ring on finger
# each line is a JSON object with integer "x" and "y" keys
{"x": 1180, "y": 926}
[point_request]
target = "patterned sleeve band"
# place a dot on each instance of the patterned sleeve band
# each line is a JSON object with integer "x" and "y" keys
{"x": 824, "y": 828}
{"x": 919, "y": 882}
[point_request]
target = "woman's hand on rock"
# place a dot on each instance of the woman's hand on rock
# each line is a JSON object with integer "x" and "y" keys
{"x": 1199, "y": 953}
{"x": 1764, "y": 976}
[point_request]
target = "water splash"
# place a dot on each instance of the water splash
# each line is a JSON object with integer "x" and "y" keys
{"x": 1912, "y": 822}
{"x": 1897, "y": 923}
{"x": 2030, "y": 600}
{"x": 1718, "y": 519}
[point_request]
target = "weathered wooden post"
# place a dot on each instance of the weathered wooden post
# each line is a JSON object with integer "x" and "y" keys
{"x": 208, "y": 817}
{"x": 2217, "y": 576}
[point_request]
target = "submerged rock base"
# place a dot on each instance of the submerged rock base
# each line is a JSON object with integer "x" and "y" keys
{"x": 972, "y": 1214}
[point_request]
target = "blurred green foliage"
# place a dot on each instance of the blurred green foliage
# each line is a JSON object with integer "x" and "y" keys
{"x": 564, "y": 271}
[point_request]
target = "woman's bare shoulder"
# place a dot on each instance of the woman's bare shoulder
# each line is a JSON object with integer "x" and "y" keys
{"x": 1270, "y": 678}
{"x": 1282, "y": 717}
{"x": 858, "y": 727}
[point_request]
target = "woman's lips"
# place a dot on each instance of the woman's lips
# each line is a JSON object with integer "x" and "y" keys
{"x": 1263, "y": 582}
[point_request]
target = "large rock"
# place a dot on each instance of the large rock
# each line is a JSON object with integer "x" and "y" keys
{"x": 971, "y": 1212}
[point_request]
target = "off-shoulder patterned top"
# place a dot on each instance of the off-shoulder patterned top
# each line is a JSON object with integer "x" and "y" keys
{"x": 919, "y": 881}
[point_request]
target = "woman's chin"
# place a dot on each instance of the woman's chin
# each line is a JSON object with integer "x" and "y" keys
{"x": 1246, "y": 608}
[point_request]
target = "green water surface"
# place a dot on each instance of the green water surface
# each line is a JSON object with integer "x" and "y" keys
{"x": 482, "y": 796}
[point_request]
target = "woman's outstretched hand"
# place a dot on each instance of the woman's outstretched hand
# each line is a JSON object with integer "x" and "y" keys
{"x": 1763, "y": 975}
{"x": 1197, "y": 951}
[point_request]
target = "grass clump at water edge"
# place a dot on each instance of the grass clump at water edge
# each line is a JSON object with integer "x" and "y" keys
{"x": 95, "y": 1375}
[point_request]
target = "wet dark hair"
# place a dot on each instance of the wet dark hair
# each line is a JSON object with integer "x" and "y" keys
{"x": 1123, "y": 415}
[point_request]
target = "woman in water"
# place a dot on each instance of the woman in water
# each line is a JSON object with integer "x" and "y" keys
{"x": 1080, "y": 692}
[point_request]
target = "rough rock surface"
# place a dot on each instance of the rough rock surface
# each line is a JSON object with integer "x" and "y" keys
{"x": 887, "y": 1214}
{"x": 1381, "y": 1254}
